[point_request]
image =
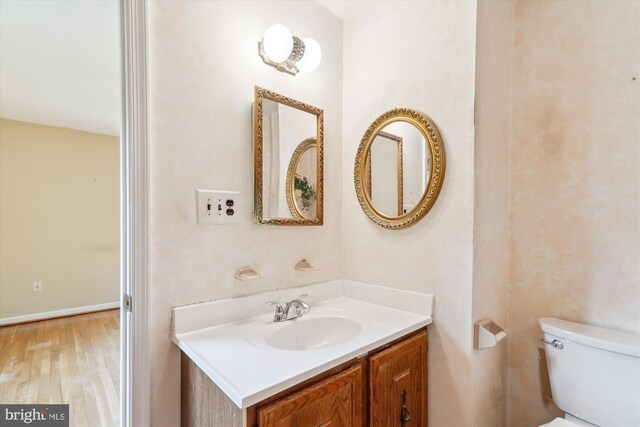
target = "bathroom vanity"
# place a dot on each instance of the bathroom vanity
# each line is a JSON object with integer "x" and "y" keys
{"x": 359, "y": 357}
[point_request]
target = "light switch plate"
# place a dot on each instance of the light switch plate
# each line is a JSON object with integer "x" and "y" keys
{"x": 217, "y": 207}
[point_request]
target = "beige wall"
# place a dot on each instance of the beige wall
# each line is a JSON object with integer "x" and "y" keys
{"x": 419, "y": 55}
{"x": 491, "y": 205}
{"x": 203, "y": 66}
{"x": 59, "y": 218}
{"x": 575, "y": 179}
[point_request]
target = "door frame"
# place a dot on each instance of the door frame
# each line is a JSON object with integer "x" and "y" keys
{"x": 134, "y": 181}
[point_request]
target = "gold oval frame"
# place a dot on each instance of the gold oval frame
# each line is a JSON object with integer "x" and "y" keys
{"x": 429, "y": 130}
{"x": 305, "y": 145}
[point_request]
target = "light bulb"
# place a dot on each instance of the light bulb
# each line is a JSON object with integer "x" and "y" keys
{"x": 277, "y": 43}
{"x": 311, "y": 58}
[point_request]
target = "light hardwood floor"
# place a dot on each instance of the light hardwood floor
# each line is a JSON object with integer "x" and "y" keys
{"x": 74, "y": 360}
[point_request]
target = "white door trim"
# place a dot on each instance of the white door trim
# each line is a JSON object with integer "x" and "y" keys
{"x": 135, "y": 375}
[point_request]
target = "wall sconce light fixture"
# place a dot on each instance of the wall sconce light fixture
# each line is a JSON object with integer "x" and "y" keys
{"x": 288, "y": 53}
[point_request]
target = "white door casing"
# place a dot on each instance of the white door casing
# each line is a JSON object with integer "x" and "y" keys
{"x": 134, "y": 359}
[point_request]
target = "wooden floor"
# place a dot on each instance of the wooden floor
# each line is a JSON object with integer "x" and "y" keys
{"x": 73, "y": 360}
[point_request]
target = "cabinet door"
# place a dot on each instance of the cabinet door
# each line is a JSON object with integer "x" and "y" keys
{"x": 398, "y": 384}
{"x": 335, "y": 401}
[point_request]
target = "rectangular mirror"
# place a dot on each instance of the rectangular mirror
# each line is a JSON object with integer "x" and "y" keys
{"x": 288, "y": 145}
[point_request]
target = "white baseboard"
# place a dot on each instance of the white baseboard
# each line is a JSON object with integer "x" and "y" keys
{"x": 58, "y": 313}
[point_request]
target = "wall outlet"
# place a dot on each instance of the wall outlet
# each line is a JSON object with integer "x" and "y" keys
{"x": 217, "y": 207}
{"x": 37, "y": 286}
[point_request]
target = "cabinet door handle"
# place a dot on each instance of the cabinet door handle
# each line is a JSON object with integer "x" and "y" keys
{"x": 405, "y": 416}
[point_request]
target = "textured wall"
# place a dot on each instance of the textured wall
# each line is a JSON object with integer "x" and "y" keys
{"x": 419, "y": 55}
{"x": 575, "y": 179}
{"x": 59, "y": 218}
{"x": 491, "y": 205}
{"x": 203, "y": 65}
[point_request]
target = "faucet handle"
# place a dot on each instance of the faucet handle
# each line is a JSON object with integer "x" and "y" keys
{"x": 304, "y": 305}
{"x": 278, "y": 316}
{"x": 276, "y": 303}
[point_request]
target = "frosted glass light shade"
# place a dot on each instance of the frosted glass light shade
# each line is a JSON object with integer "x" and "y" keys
{"x": 277, "y": 43}
{"x": 312, "y": 56}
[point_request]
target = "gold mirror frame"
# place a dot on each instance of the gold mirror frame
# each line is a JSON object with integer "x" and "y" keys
{"x": 291, "y": 174}
{"x": 427, "y": 127}
{"x": 261, "y": 94}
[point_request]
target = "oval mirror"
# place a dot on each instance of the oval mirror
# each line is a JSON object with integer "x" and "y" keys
{"x": 301, "y": 180}
{"x": 399, "y": 168}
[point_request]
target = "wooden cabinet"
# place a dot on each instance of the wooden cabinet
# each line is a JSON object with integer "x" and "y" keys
{"x": 335, "y": 401}
{"x": 398, "y": 384}
{"x": 379, "y": 389}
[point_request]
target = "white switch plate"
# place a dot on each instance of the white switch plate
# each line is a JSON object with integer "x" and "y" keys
{"x": 217, "y": 207}
{"x": 37, "y": 286}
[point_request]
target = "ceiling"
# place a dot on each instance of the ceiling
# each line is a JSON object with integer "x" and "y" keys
{"x": 346, "y": 10}
{"x": 60, "y": 63}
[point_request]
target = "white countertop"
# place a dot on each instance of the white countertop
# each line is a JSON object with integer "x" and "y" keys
{"x": 225, "y": 338}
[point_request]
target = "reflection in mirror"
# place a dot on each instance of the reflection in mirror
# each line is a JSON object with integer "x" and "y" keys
{"x": 384, "y": 173}
{"x": 302, "y": 180}
{"x": 399, "y": 168}
{"x": 283, "y": 128}
{"x": 288, "y": 160}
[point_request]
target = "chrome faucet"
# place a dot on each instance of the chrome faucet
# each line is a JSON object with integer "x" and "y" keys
{"x": 299, "y": 307}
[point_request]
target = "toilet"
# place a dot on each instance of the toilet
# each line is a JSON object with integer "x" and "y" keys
{"x": 594, "y": 374}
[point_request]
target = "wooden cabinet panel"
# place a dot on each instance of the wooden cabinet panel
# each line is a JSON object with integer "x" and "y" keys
{"x": 399, "y": 375}
{"x": 335, "y": 401}
{"x": 203, "y": 403}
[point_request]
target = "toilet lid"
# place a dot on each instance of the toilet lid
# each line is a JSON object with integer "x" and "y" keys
{"x": 559, "y": 422}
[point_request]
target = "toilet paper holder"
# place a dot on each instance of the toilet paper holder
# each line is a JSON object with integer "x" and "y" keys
{"x": 487, "y": 333}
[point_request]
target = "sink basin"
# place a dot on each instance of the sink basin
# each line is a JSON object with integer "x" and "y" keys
{"x": 313, "y": 333}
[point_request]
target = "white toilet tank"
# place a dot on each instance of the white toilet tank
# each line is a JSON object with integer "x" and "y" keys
{"x": 594, "y": 372}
